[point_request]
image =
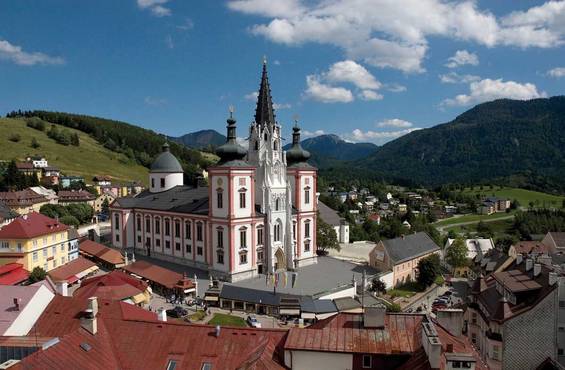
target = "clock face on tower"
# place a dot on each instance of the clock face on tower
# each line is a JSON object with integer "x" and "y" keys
{"x": 219, "y": 182}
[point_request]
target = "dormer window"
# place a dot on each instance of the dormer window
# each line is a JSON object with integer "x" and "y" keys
{"x": 162, "y": 182}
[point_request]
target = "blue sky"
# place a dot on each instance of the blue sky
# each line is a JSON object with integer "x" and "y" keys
{"x": 367, "y": 70}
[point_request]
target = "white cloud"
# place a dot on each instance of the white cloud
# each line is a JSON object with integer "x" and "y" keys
{"x": 187, "y": 25}
{"x": 461, "y": 58}
{"x": 395, "y": 122}
{"x": 268, "y": 8}
{"x": 487, "y": 89}
{"x": 394, "y": 34}
{"x": 155, "y": 6}
{"x": 369, "y": 95}
{"x": 251, "y": 96}
{"x": 243, "y": 141}
{"x": 321, "y": 92}
{"x": 395, "y": 88}
{"x": 281, "y": 106}
{"x": 349, "y": 71}
{"x": 556, "y": 72}
{"x": 323, "y": 85}
{"x": 455, "y": 78}
{"x": 377, "y": 137}
{"x": 154, "y": 101}
{"x": 15, "y": 54}
{"x": 306, "y": 133}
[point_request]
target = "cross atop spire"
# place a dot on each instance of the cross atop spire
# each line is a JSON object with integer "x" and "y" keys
{"x": 264, "y": 113}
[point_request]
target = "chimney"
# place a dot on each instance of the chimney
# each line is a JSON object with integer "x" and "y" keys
{"x": 126, "y": 258}
{"x": 449, "y": 348}
{"x": 537, "y": 269}
{"x": 217, "y": 331}
{"x": 431, "y": 343}
{"x": 519, "y": 258}
{"x": 553, "y": 278}
{"x": 88, "y": 320}
{"x": 162, "y": 314}
{"x": 62, "y": 287}
{"x": 17, "y": 303}
{"x": 374, "y": 317}
{"x": 529, "y": 264}
{"x": 451, "y": 320}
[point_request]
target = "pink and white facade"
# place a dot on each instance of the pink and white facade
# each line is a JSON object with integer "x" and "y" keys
{"x": 256, "y": 216}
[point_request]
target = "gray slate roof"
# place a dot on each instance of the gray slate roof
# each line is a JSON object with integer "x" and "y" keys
{"x": 6, "y": 213}
{"x": 329, "y": 215}
{"x": 409, "y": 247}
{"x": 238, "y": 293}
{"x": 166, "y": 162}
{"x": 308, "y": 304}
{"x": 181, "y": 199}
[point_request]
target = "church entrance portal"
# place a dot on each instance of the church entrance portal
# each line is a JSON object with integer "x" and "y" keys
{"x": 281, "y": 260}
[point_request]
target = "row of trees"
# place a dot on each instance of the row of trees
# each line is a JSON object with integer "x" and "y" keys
{"x": 72, "y": 214}
{"x": 11, "y": 179}
{"x": 64, "y": 136}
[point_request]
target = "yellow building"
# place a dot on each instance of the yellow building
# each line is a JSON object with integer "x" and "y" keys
{"x": 35, "y": 240}
{"x": 23, "y": 201}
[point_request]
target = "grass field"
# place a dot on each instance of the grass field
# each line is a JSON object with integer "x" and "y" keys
{"x": 406, "y": 291}
{"x": 227, "y": 320}
{"x": 498, "y": 227}
{"x": 88, "y": 159}
{"x": 472, "y": 218}
{"x": 524, "y": 197}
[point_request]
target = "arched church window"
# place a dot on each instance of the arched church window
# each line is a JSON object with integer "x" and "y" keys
{"x": 275, "y": 145}
{"x": 277, "y": 204}
{"x": 256, "y": 145}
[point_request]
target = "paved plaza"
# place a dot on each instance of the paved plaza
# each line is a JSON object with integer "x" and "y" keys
{"x": 329, "y": 274}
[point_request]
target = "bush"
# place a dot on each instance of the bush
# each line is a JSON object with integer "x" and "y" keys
{"x": 35, "y": 123}
{"x": 37, "y": 274}
{"x": 34, "y": 143}
{"x": 15, "y": 138}
{"x": 70, "y": 221}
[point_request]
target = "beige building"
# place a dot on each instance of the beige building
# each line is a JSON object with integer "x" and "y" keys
{"x": 401, "y": 255}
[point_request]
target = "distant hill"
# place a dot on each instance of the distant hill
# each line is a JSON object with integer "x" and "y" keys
{"x": 518, "y": 143}
{"x": 329, "y": 150}
{"x": 88, "y": 159}
{"x": 201, "y": 139}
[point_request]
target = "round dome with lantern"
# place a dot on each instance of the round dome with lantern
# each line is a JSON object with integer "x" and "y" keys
{"x": 166, "y": 171}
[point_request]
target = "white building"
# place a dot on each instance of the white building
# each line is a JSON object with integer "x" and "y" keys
{"x": 256, "y": 216}
{"x": 38, "y": 161}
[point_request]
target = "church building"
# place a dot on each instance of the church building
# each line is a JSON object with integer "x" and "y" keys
{"x": 256, "y": 216}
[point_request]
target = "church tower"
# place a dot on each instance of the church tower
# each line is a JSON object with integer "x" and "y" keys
{"x": 272, "y": 193}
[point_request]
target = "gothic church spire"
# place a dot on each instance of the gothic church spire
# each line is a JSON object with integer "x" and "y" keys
{"x": 264, "y": 113}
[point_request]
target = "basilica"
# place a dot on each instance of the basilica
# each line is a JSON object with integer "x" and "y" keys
{"x": 257, "y": 215}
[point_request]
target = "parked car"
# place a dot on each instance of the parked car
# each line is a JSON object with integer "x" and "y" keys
{"x": 447, "y": 293}
{"x": 444, "y": 300}
{"x": 252, "y": 321}
{"x": 177, "y": 312}
{"x": 438, "y": 306}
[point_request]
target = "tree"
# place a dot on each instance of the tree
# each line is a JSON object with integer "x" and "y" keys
{"x": 37, "y": 274}
{"x": 75, "y": 140}
{"x": 34, "y": 143}
{"x": 70, "y": 221}
{"x": 106, "y": 206}
{"x": 377, "y": 286}
{"x": 484, "y": 229}
{"x": 428, "y": 269}
{"x": 15, "y": 138}
{"x": 326, "y": 237}
{"x": 504, "y": 243}
{"x": 456, "y": 254}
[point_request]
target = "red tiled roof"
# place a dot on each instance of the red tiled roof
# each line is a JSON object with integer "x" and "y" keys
{"x": 24, "y": 166}
{"x": 20, "y": 198}
{"x": 125, "y": 333}
{"x": 66, "y": 271}
{"x": 13, "y": 273}
{"x": 101, "y": 252}
{"x": 77, "y": 195}
{"x": 345, "y": 333}
{"x": 30, "y": 226}
{"x": 162, "y": 276}
{"x": 460, "y": 344}
{"x": 114, "y": 286}
{"x": 531, "y": 246}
